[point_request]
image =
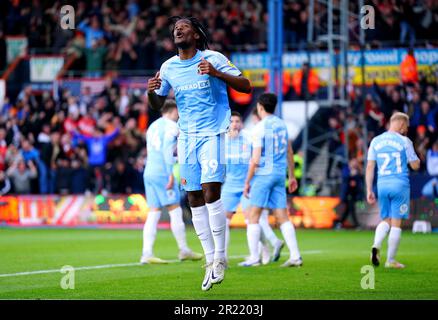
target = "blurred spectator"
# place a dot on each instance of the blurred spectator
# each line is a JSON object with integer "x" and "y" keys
{"x": 120, "y": 178}
{"x": 137, "y": 182}
{"x": 92, "y": 29}
{"x": 5, "y": 183}
{"x": 63, "y": 176}
{"x": 21, "y": 176}
{"x": 97, "y": 151}
{"x": 408, "y": 69}
{"x": 305, "y": 82}
{"x": 431, "y": 187}
{"x": 95, "y": 57}
{"x": 31, "y": 154}
{"x": 352, "y": 179}
{"x": 79, "y": 177}
{"x": 420, "y": 143}
{"x": 3, "y": 149}
{"x": 334, "y": 143}
{"x": 405, "y": 10}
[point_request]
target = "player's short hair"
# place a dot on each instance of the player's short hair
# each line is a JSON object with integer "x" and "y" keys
{"x": 168, "y": 106}
{"x": 268, "y": 101}
{"x": 399, "y": 116}
{"x": 204, "y": 36}
{"x": 236, "y": 114}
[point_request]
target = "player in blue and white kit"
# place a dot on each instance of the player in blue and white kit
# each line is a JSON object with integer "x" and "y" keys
{"x": 237, "y": 155}
{"x": 392, "y": 152}
{"x": 161, "y": 188}
{"x": 199, "y": 78}
{"x": 272, "y": 154}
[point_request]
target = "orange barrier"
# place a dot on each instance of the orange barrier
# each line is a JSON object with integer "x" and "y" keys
{"x": 313, "y": 212}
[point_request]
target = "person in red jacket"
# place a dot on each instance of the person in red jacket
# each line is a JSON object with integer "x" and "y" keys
{"x": 300, "y": 84}
{"x": 408, "y": 69}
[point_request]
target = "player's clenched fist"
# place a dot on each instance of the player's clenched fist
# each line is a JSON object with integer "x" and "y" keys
{"x": 206, "y": 67}
{"x": 154, "y": 83}
{"x": 371, "y": 197}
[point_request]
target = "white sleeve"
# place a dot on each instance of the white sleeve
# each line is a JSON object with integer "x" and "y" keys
{"x": 410, "y": 151}
{"x": 257, "y": 136}
{"x": 165, "y": 85}
{"x": 223, "y": 64}
{"x": 371, "y": 152}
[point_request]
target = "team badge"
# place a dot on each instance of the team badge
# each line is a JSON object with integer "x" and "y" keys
{"x": 231, "y": 64}
{"x": 404, "y": 208}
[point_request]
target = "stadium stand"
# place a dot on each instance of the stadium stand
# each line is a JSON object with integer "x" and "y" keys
{"x": 49, "y": 131}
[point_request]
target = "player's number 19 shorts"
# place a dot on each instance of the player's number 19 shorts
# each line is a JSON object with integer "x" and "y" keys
{"x": 201, "y": 160}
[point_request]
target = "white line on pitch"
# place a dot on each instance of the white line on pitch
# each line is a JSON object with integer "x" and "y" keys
{"x": 107, "y": 266}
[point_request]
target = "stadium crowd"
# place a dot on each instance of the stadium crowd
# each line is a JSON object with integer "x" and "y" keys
{"x": 97, "y": 142}
{"x": 134, "y": 35}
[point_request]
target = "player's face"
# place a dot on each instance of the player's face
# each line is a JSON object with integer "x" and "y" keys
{"x": 404, "y": 128}
{"x": 174, "y": 114}
{"x": 236, "y": 123}
{"x": 184, "y": 35}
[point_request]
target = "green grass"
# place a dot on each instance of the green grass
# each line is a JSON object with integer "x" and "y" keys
{"x": 332, "y": 265}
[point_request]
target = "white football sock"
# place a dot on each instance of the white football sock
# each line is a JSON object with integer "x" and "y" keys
{"x": 216, "y": 213}
{"x": 202, "y": 227}
{"x": 178, "y": 228}
{"x": 227, "y": 236}
{"x": 288, "y": 231}
{"x": 266, "y": 228}
{"x": 150, "y": 232}
{"x": 381, "y": 232}
{"x": 253, "y": 234}
{"x": 393, "y": 242}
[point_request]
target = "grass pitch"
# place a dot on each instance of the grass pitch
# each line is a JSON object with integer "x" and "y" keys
{"x": 332, "y": 267}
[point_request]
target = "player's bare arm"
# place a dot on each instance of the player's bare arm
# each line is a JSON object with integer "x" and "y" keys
{"x": 415, "y": 165}
{"x": 253, "y": 164}
{"x": 369, "y": 178}
{"x": 293, "y": 185}
{"x": 155, "y": 100}
{"x": 238, "y": 83}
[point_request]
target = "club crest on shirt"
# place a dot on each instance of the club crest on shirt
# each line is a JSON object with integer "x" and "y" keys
{"x": 231, "y": 64}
